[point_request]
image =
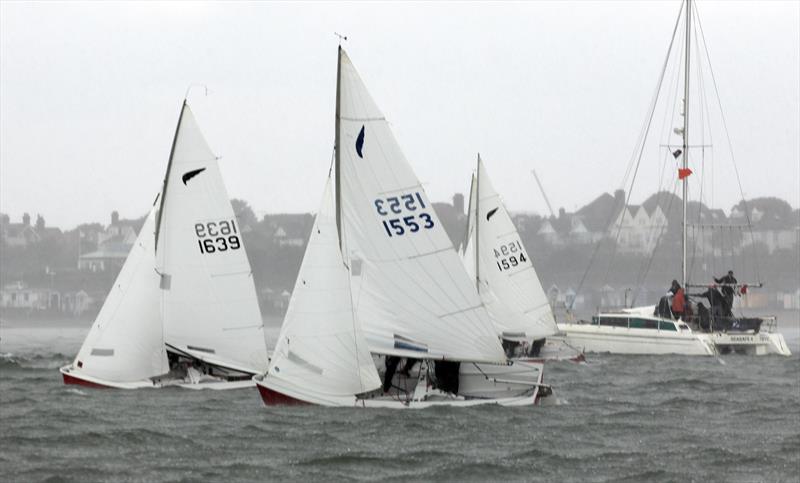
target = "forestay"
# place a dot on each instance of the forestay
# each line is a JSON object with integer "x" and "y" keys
{"x": 126, "y": 342}
{"x": 411, "y": 293}
{"x": 209, "y": 302}
{"x": 321, "y": 355}
{"x": 508, "y": 282}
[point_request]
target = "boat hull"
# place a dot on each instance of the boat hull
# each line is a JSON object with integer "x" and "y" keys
{"x": 515, "y": 384}
{"x": 78, "y": 378}
{"x": 556, "y": 349}
{"x": 623, "y": 340}
{"x": 71, "y": 376}
{"x": 218, "y": 385}
{"x": 386, "y": 403}
{"x": 497, "y": 381}
{"x": 760, "y": 344}
{"x": 272, "y": 397}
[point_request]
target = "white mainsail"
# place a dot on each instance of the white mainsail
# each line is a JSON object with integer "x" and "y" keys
{"x": 321, "y": 355}
{"x": 507, "y": 281}
{"x": 209, "y": 305}
{"x": 411, "y": 293}
{"x": 126, "y": 341}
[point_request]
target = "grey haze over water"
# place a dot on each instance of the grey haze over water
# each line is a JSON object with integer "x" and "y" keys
{"x": 90, "y": 95}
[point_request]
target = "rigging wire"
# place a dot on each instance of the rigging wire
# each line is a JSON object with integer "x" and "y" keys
{"x": 638, "y": 147}
{"x": 639, "y": 282}
{"x": 730, "y": 147}
{"x": 646, "y": 263}
{"x": 639, "y": 158}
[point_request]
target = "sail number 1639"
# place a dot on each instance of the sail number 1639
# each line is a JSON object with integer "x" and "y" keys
{"x": 217, "y": 236}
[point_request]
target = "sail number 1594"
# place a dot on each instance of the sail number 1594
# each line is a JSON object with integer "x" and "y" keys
{"x": 509, "y": 255}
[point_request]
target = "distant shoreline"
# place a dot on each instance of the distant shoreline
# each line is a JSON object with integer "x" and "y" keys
{"x": 56, "y": 322}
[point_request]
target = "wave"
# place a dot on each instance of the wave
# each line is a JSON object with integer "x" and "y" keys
{"x": 9, "y": 360}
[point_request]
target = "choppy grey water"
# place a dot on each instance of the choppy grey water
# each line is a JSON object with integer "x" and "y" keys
{"x": 614, "y": 418}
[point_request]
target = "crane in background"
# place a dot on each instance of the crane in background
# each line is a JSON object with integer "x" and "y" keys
{"x": 544, "y": 195}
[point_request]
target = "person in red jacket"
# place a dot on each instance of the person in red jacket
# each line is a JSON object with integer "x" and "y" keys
{"x": 678, "y": 300}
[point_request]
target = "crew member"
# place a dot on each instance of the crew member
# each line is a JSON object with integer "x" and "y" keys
{"x": 678, "y": 300}
{"x": 391, "y": 367}
{"x": 728, "y": 290}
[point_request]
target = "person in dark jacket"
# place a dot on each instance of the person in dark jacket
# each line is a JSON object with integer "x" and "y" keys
{"x": 391, "y": 367}
{"x": 728, "y": 289}
{"x": 719, "y": 307}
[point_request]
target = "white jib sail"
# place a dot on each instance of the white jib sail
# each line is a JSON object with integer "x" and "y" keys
{"x": 321, "y": 355}
{"x": 411, "y": 292}
{"x": 508, "y": 284}
{"x": 209, "y": 305}
{"x": 126, "y": 341}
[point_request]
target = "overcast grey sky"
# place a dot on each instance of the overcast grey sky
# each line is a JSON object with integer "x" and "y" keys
{"x": 90, "y": 93}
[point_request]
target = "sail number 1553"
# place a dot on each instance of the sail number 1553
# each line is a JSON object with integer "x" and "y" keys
{"x": 217, "y": 236}
{"x": 409, "y": 206}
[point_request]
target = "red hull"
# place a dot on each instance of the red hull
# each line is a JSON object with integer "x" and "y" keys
{"x": 275, "y": 398}
{"x": 68, "y": 379}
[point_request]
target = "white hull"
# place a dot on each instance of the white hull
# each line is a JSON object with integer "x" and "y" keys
{"x": 448, "y": 401}
{"x": 77, "y": 377}
{"x": 760, "y": 344}
{"x": 219, "y": 385}
{"x": 432, "y": 398}
{"x": 555, "y": 349}
{"x": 623, "y": 340}
{"x": 490, "y": 381}
{"x": 515, "y": 384}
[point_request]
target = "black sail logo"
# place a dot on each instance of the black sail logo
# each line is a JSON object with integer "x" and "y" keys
{"x": 191, "y": 174}
{"x": 491, "y": 213}
{"x": 360, "y": 143}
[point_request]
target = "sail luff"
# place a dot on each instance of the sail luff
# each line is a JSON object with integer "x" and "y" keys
{"x": 478, "y": 226}
{"x": 470, "y": 218}
{"x": 337, "y": 176}
{"x": 160, "y": 211}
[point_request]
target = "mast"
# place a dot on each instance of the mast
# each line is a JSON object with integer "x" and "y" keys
{"x": 477, "y": 224}
{"x": 337, "y": 170}
{"x": 160, "y": 213}
{"x": 686, "y": 136}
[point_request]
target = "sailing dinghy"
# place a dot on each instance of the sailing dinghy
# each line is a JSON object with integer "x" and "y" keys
{"x": 183, "y": 310}
{"x": 506, "y": 279}
{"x": 409, "y": 294}
{"x": 321, "y": 356}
